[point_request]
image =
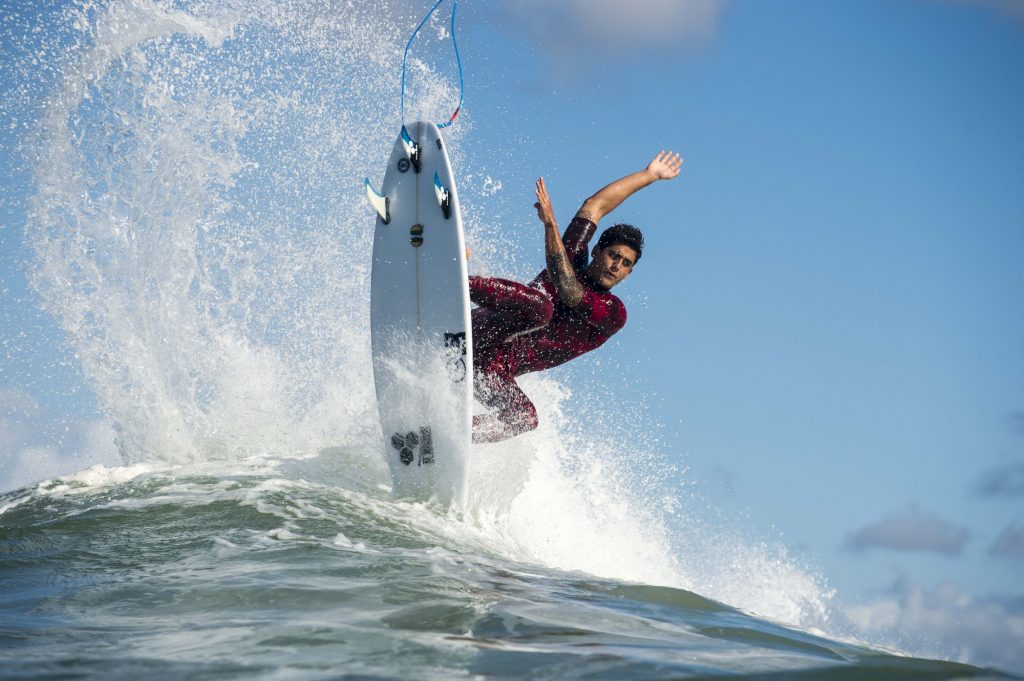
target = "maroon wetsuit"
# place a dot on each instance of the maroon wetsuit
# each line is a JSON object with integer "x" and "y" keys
{"x": 518, "y": 329}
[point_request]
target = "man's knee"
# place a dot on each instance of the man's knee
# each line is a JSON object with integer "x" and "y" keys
{"x": 522, "y": 420}
{"x": 526, "y": 305}
{"x": 542, "y": 308}
{"x": 530, "y": 420}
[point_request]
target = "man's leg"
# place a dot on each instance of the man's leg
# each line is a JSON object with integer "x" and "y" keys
{"x": 505, "y": 309}
{"x": 511, "y": 413}
{"x": 516, "y": 307}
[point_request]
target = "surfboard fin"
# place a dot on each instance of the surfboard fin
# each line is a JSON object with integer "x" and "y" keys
{"x": 380, "y": 203}
{"x": 443, "y": 197}
{"x": 412, "y": 150}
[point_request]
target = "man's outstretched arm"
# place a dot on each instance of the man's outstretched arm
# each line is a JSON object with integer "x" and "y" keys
{"x": 563, "y": 276}
{"x": 665, "y": 166}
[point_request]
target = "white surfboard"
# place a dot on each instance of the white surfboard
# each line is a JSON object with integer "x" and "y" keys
{"x": 419, "y": 321}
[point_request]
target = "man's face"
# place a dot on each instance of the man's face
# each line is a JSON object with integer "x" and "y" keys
{"x": 610, "y": 266}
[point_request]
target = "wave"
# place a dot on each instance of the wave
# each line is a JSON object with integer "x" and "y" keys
{"x": 252, "y": 575}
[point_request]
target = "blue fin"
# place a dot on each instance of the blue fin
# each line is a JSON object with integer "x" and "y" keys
{"x": 443, "y": 198}
{"x": 412, "y": 150}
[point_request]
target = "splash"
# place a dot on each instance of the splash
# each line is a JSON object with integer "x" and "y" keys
{"x": 198, "y": 226}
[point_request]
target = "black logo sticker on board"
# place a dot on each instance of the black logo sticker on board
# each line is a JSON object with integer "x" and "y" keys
{"x": 409, "y": 444}
{"x": 405, "y": 444}
{"x": 455, "y": 355}
{"x": 439, "y": 143}
{"x": 403, "y": 165}
{"x": 426, "y": 446}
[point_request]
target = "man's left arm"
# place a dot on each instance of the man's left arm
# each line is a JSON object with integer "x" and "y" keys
{"x": 664, "y": 166}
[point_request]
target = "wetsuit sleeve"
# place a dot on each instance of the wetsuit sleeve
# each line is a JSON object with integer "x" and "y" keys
{"x": 576, "y": 239}
{"x": 602, "y": 310}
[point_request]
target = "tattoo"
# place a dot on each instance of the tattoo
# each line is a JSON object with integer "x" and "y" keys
{"x": 585, "y": 214}
{"x": 570, "y": 291}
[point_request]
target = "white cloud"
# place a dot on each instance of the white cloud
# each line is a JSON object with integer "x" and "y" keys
{"x": 640, "y": 21}
{"x": 38, "y": 443}
{"x": 911, "y": 530}
{"x": 85, "y": 444}
{"x": 1010, "y": 543}
{"x": 945, "y": 623}
{"x": 566, "y": 26}
{"x": 32, "y": 465}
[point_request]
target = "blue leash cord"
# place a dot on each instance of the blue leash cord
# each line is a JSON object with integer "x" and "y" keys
{"x": 458, "y": 60}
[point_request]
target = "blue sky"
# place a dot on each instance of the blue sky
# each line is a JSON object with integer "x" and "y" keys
{"x": 827, "y": 321}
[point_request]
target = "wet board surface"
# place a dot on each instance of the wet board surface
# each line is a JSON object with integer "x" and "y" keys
{"x": 420, "y": 326}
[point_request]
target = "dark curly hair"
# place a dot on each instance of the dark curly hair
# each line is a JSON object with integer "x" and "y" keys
{"x": 622, "y": 233}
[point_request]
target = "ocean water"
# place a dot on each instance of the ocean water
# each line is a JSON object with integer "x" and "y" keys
{"x": 198, "y": 230}
{"x": 141, "y": 572}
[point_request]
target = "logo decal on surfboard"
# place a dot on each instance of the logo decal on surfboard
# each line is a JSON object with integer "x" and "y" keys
{"x": 408, "y": 444}
{"x": 455, "y": 355}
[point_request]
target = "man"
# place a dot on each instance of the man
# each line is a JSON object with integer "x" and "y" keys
{"x": 566, "y": 311}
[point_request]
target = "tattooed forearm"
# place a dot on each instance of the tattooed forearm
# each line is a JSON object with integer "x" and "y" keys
{"x": 570, "y": 291}
{"x": 568, "y": 286}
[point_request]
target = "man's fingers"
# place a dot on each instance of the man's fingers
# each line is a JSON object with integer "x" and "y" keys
{"x": 542, "y": 192}
{"x": 670, "y": 158}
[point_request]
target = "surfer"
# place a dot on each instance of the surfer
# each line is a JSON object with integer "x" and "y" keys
{"x": 566, "y": 311}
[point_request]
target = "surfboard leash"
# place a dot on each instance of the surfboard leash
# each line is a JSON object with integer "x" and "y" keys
{"x": 458, "y": 61}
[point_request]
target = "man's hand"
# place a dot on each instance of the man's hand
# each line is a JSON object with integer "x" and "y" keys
{"x": 665, "y": 165}
{"x": 544, "y": 210}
